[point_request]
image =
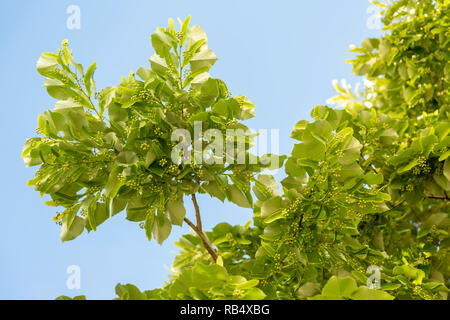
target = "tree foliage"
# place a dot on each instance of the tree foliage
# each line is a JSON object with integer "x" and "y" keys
{"x": 367, "y": 182}
{"x": 98, "y": 158}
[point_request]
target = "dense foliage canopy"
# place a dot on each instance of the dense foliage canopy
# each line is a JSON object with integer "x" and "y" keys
{"x": 367, "y": 183}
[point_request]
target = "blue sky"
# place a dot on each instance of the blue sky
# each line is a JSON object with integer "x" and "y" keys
{"x": 281, "y": 54}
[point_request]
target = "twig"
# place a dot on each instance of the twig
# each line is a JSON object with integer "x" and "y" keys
{"x": 395, "y": 206}
{"x": 446, "y": 197}
{"x": 198, "y": 229}
{"x": 197, "y": 212}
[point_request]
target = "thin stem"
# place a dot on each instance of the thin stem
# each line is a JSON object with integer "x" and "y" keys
{"x": 89, "y": 98}
{"x": 398, "y": 204}
{"x": 197, "y": 212}
{"x": 394, "y": 207}
{"x": 190, "y": 224}
{"x": 181, "y": 76}
{"x": 439, "y": 198}
{"x": 369, "y": 165}
{"x": 180, "y": 55}
{"x": 198, "y": 229}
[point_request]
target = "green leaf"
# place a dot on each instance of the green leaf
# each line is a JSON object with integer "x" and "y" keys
{"x": 99, "y": 215}
{"x": 137, "y": 209}
{"x": 411, "y": 273}
{"x": 148, "y": 225}
{"x": 313, "y": 138}
{"x": 72, "y": 228}
{"x": 188, "y": 54}
{"x": 270, "y": 206}
{"x": 351, "y": 152}
{"x": 247, "y": 108}
{"x": 127, "y": 158}
{"x": 68, "y": 298}
{"x": 388, "y": 136}
{"x": 113, "y": 184}
{"x": 364, "y": 293}
{"x": 266, "y": 186}
{"x": 88, "y": 79}
{"x": 144, "y": 73}
{"x": 373, "y": 178}
{"x": 171, "y": 26}
{"x": 184, "y": 28}
{"x": 370, "y": 43}
{"x": 228, "y": 108}
{"x": 294, "y": 170}
{"x": 194, "y": 34}
{"x": 112, "y": 139}
{"x": 299, "y": 129}
{"x": 435, "y": 286}
{"x": 254, "y": 294}
{"x": 129, "y": 292}
{"x": 163, "y": 41}
{"x": 197, "y": 294}
{"x": 339, "y": 287}
{"x": 214, "y": 190}
{"x": 350, "y": 171}
{"x": 446, "y": 169}
{"x": 158, "y": 64}
{"x": 47, "y": 63}
{"x": 444, "y": 156}
{"x": 238, "y": 197}
{"x": 309, "y": 289}
{"x": 409, "y": 166}
{"x": 102, "y": 213}
{"x": 67, "y": 105}
{"x": 176, "y": 211}
{"x": 277, "y": 215}
{"x": 390, "y": 286}
{"x": 272, "y": 161}
{"x": 203, "y": 59}
{"x": 150, "y": 157}
{"x": 161, "y": 229}
{"x": 91, "y": 206}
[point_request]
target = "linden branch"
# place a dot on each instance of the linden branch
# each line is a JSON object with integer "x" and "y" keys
{"x": 198, "y": 229}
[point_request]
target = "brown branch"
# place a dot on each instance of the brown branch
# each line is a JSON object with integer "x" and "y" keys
{"x": 445, "y": 197}
{"x": 373, "y": 169}
{"x": 299, "y": 225}
{"x": 398, "y": 204}
{"x": 394, "y": 206}
{"x": 198, "y": 229}
{"x": 439, "y": 198}
{"x": 197, "y": 212}
{"x": 369, "y": 165}
{"x": 190, "y": 224}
